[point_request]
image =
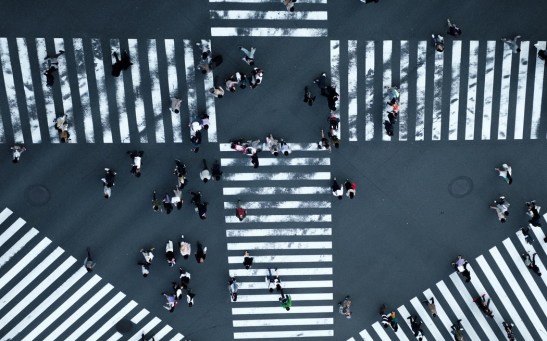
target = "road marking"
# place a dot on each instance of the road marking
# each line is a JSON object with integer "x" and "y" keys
{"x": 280, "y": 310}
{"x": 352, "y": 89}
{"x": 441, "y": 314}
{"x": 83, "y": 88}
{"x": 521, "y": 90}
{"x": 424, "y": 315}
{"x": 11, "y": 230}
{"x": 335, "y": 77}
{"x": 457, "y": 310}
{"x": 252, "y": 205}
{"x": 164, "y": 331}
{"x": 284, "y": 272}
{"x": 173, "y": 84}
{"x": 279, "y": 176}
{"x": 267, "y": 15}
{"x": 303, "y": 190}
{"x": 420, "y": 90}
{"x": 284, "y": 259}
{"x": 29, "y": 256}
{"x": 66, "y": 93}
{"x": 283, "y": 334}
{"x": 112, "y": 321}
{"x": 279, "y": 232}
{"x": 28, "y": 87}
{"x": 279, "y": 246}
{"x": 101, "y": 89}
{"x": 281, "y": 161}
{"x": 140, "y": 115}
{"x": 505, "y": 91}
{"x": 381, "y": 332}
{"x": 287, "y": 285}
{"x": 283, "y": 322}
{"x": 120, "y": 96}
{"x": 190, "y": 81}
{"x": 208, "y": 83}
{"x": 386, "y": 79}
{"x": 17, "y": 246}
{"x": 140, "y": 315}
{"x": 157, "y": 109}
{"x": 275, "y": 298}
{"x": 281, "y": 218}
{"x": 11, "y": 92}
{"x": 472, "y": 93}
{"x": 307, "y": 147}
{"x": 455, "y": 90}
{"x": 149, "y": 326}
{"x": 364, "y": 334}
{"x": 267, "y": 32}
{"x": 436, "y": 126}
{"x": 369, "y": 90}
{"x": 538, "y": 93}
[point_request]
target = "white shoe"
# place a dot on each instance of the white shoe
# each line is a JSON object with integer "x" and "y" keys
{"x": 205, "y": 249}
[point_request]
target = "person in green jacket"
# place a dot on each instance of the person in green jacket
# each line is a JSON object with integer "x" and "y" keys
{"x": 286, "y": 301}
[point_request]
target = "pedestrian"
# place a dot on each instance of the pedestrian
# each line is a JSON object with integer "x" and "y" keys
{"x": 286, "y": 301}
{"x": 385, "y": 317}
{"x": 438, "y": 42}
{"x": 531, "y": 262}
{"x": 388, "y": 126}
{"x": 416, "y": 326}
{"x": 321, "y": 82}
{"x": 184, "y": 277}
{"x": 249, "y": 57}
{"x": 254, "y": 159}
{"x": 369, "y": 1}
{"x": 483, "y": 305}
{"x": 247, "y": 260}
{"x": 178, "y": 291}
{"x": 501, "y": 206}
{"x": 344, "y": 307}
{"x": 513, "y": 43}
{"x": 201, "y": 208}
{"x": 148, "y": 255}
{"x": 332, "y": 97}
{"x": 323, "y": 143}
{"x": 431, "y": 306}
{"x": 457, "y": 330}
{"x": 108, "y": 182}
{"x": 201, "y": 253}
{"x": 508, "y": 326}
{"x": 205, "y": 66}
{"x": 175, "y": 105}
{"x": 308, "y": 97}
{"x": 289, "y": 4}
{"x": 337, "y": 191}
{"x": 389, "y": 319}
{"x": 180, "y": 172}
{"x": 231, "y": 83}
{"x": 241, "y": 212}
{"x": 169, "y": 254}
{"x": 453, "y": 30}
{"x": 205, "y": 175}
{"x": 204, "y": 121}
{"x": 185, "y": 248}
{"x": 233, "y": 288}
{"x": 542, "y": 54}
{"x": 526, "y": 233}
{"x": 392, "y": 116}
{"x": 156, "y": 204}
{"x": 89, "y": 264}
{"x": 256, "y": 79}
{"x": 167, "y": 205}
{"x": 350, "y": 188}
{"x": 506, "y": 172}
{"x": 284, "y": 147}
{"x": 335, "y": 141}
{"x": 171, "y": 302}
{"x": 216, "y": 173}
{"x": 205, "y": 51}
{"x": 190, "y": 297}
{"x": 533, "y": 212}
{"x": 273, "y": 281}
{"x": 53, "y": 61}
{"x": 217, "y": 91}
{"x": 122, "y": 64}
{"x": 143, "y": 338}
{"x": 50, "y": 79}
{"x": 241, "y": 79}
{"x": 196, "y": 141}
{"x": 176, "y": 199}
{"x": 137, "y": 160}
{"x": 61, "y": 125}
{"x": 273, "y": 145}
{"x": 17, "y": 150}
{"x": 145, "y": 269}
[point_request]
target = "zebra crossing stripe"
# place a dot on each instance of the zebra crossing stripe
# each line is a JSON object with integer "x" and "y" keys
{"x": 286, "y": 284}
{"x": 504, "y": 299}
{"x": 381, "y": 332}
{"x": 149, "y": 326}
{"x": 115, "y": 337}
{"x": 8, "y": 276}
{"x": 279, "y": 232}
{"x": 299, "y": 161}
{"x": 352, "y": 89}
{"x": 140, "y": 115}
{"x": 280, "y": 310}
{"x": 364, "y": 334}
{"x": 420, "y": 90}
{"x": 505, "y": 91}
{"x": 304, "y": 190}
{"x": 404, "y": 314}
{"x": 437, "y": 97}
{"x": 457, "y": 311}
{"x": 83, "y": 89}
{"x": 164, "y": 331}
{"x": 283, "y": 322}
{"x": 284, "y": 259}
{"x": 156, "y": 91}
{"x": 268, "y": 32}
{"x": 531, "y": 249}
{"x": 270, "y": 1}
{"x": 418, "y": 306}
{"x": 280, "y": 218}
{"x": 70, "y": 320}
{"x": 538, "y": 91}
{"x": 11, "y": 230}
{"x": 403, "y": 91}
{"x": 101, "y": 89}
{"x": 120, "y": 97}
{"x": 6, "y": 212}
{"x": 177, "y": 337}
{"x": 140, "y": 315}
{"x": 472, "y": 93}
{"x": 66, "y": 93}
{"x": 28, "y": 88}
{"x": 455, "y": 90}
{"x": 307, "y": 147}
{"x": 41, "y": 51}
{"x": 89, "y": 322}
{"x": 441, "y": 314}
{"x": 112, "y": 321}
{"x": 488, "y": 85}
{"x": 251, "y": 205}
{"x": 275, "y": 298}
{"x": 208, "y": 83}
{"x": 280, "y": 176}
{"x": 17, "y": 246}
{"x": 173, "y": 85}
{"x": 283, "y": 334}
{"x": 279, "y": 246}
{"x": 335, "y": 75}
{"x": 31, "y": 317}
{"x": 267, "y": 15}
{"x": 286, "y": 272}
{"x": 190, "y": 80}
{"x": 369, "y": 90}
{"x": 387, "y": 75}
{"x": 521, "y": 90}
{"x": 11, "y": 92}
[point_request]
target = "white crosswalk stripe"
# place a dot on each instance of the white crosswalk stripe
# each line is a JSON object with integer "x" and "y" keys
{"x": 514, "y": 289}
{"x": 267, "y": 18}
{"x": 298, "y": 244}
{"x": 66, "y": 292}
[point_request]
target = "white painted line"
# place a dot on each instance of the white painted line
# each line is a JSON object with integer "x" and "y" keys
{"x": 472, "y": 91}
{"x": 11, "y": 92}
{"x": 62, "y": 73}
{"x": 161, "y": 334}
{"x": 504, "y": 299}
{"x": 270, "y": 1}
{"x": 113, "y": 320}
{"x": 387, "y": 79}
{"x": 424, "y": 315}
{"x": 20, "y": 266}
{"x": 31, "y": 276}
{"x": 279, "y": 246}
{"x": 28, "y": 87}
{"x": 190, "y": 70}
{"x": 138, "y": 318}
{"x": 173, "y": 84}
{"x": 369, "y": 91}
{"x": 420, "y": 90}
{"x": 299, "y": 161}
{"x": 208, "y": 83}
{"x": 403, "y": 91}
{"x": 437, "y": 97}
{"x": 83, "y": 88}
{"x": 521, "y": 296}
{"x": 46, "y": 303}
{"x": 505, "y": 91}
{"x": 6, "y": 212}
{"x": 303, "y": 190}
{"x": 381, "y": 332}
{"x": 286, "y": 285}
{"x": 11, "y": 230}
{"x": 540, "y": 235}
{"x": 365, "y": 335}
{"x": 280, "y": 176}
{"x": 538, "y": 93}
{"x": 73, "y": 317}
{"x": 521, "y": 90}
{"x": 284, "y": 259}
{"x": 274, "y": 298}
{"x": 441, "y": 314}
{"x": 101, "y": 89}
{"x": 177, "y": 337}
{"x": 267, "y": 32}
{"x": 96, "y": 317}
{"x": 308, "y": 147}
{"x": 62, "y": 308}
{"x": 120, "y": 97}
{"x": 136, "y": 77}
{"x": 403, "y": 320}
{"x": 457, "y": 311}
{"x": 279, "y": 232}
{"x": 17, "y": 246}
{"x": 466, "y": 296}
{"x": 156, "y": 90}
{"x": 283, "y": 334}
{"x": 283, "y": 322}
{"x": 281, "y": 218}
{"x": 335, "y": 77}
{"x": 115, "y": 337}
{"x": 252, "y": 205}
{"x": 41, "y": 51}
{"x": 149, "y": 326}
{"x": 455, "y": 90}
{"x": 284, "y": 272}
{"x": 315, "y": 309}
{"x": 352, "y": 89}
{"x": 488, "y": 89}
{"x": 267, "y": 15}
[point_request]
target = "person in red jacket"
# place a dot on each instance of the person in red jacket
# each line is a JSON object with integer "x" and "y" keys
{"x": 241, "y": 213}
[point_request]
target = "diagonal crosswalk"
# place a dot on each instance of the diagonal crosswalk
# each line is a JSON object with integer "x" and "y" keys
{"x": 48, "y": 295}
{"x": 518, "y": 296}
{"x": 290, "y": 232}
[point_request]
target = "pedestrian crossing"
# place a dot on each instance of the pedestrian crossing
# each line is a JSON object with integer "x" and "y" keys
{"x": 518, "y": 296}
{"x": 48, "y": 295}
{"x": 291, "y": 232}
{"x": 268, "y": 18}
{"x": 134, "y": 107}
{"x": 475, "y": 90}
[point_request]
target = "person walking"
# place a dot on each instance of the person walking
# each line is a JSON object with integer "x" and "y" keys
{"x": 185, "y": 248}
{"x": 526, "y": 233}
{"x": 241, "y": 213}
{"x": 171, "y": 302}
{"x": 321, "y": 82}
{"x": 247, "y": 260}
{"x": 180, "y": 172}
{"x": 461, "y": 266}
{"x": 175, "y": 105}
{"x": 17, "y": 150}
{"x": 156, "y": 204}
{"x": 438, "y": 42}
{"x": 196, "y": 141}
{"x": 324, "y": 142}
{"x": 53, "y": 65}
{"x": 508, "y": 326}
{"x": 344, "y": 307}
{"x": 416, "y": 326}
{"x": 453, "y": 30}
{"x": 289, "y": 4}
{"x": 216, "y": 172}
{"x": 233, "y": 288}
{"x": 190, "y": 297}
{"x": 205, "y": 174}
{"x": 201, "y": 253}
{"x": 273, "y": 281}
{"x": 167, "y": 203}
{"x": 389, "y": 319}
{"x": 308, "y": 97}
{"x": 284, "y": 147}
{"x": 501, "y": 206}
{"x": 249, "y": 57}
{"x": 286, "y": 301}
{"x": 256, "y": 77}
{"x": 513, "y": 43}
{"x": 176, "y": 199}
{"x": 145, "y": 269}
{"x": 89, "y": 264}
{"x": 336, "y": 189}
{"x": 108, "y": 182}
{"x": 148, "y": 255}
{"x": 531, "y": 262}
{"x": 217, "y": 91}
{"x": 184, "y": 277}
{"x": 457, "y": 330}
{"x": 483, "y": 304}
{"x": 61, "y": 125}
{"x": 136, "y": 156}
{"x": 431, "y": 306}
{"x": 169, "y": 254}
{"x": 254, "y": 159}
{"x": 542, "y": 54}
{"x": 506, "y": 172}
{"x": 533, "y": 212}
{"x": 350, "y": 188}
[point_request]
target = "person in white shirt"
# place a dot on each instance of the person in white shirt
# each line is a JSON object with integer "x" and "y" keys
{"x": 136, "y": 165}
{"x": 205, "y": 174}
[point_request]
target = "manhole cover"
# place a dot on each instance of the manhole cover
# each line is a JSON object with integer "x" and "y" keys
{"x": 124, "y": 326}
{"x": 460, "y": 186}
{"x": 37, "y": 195}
